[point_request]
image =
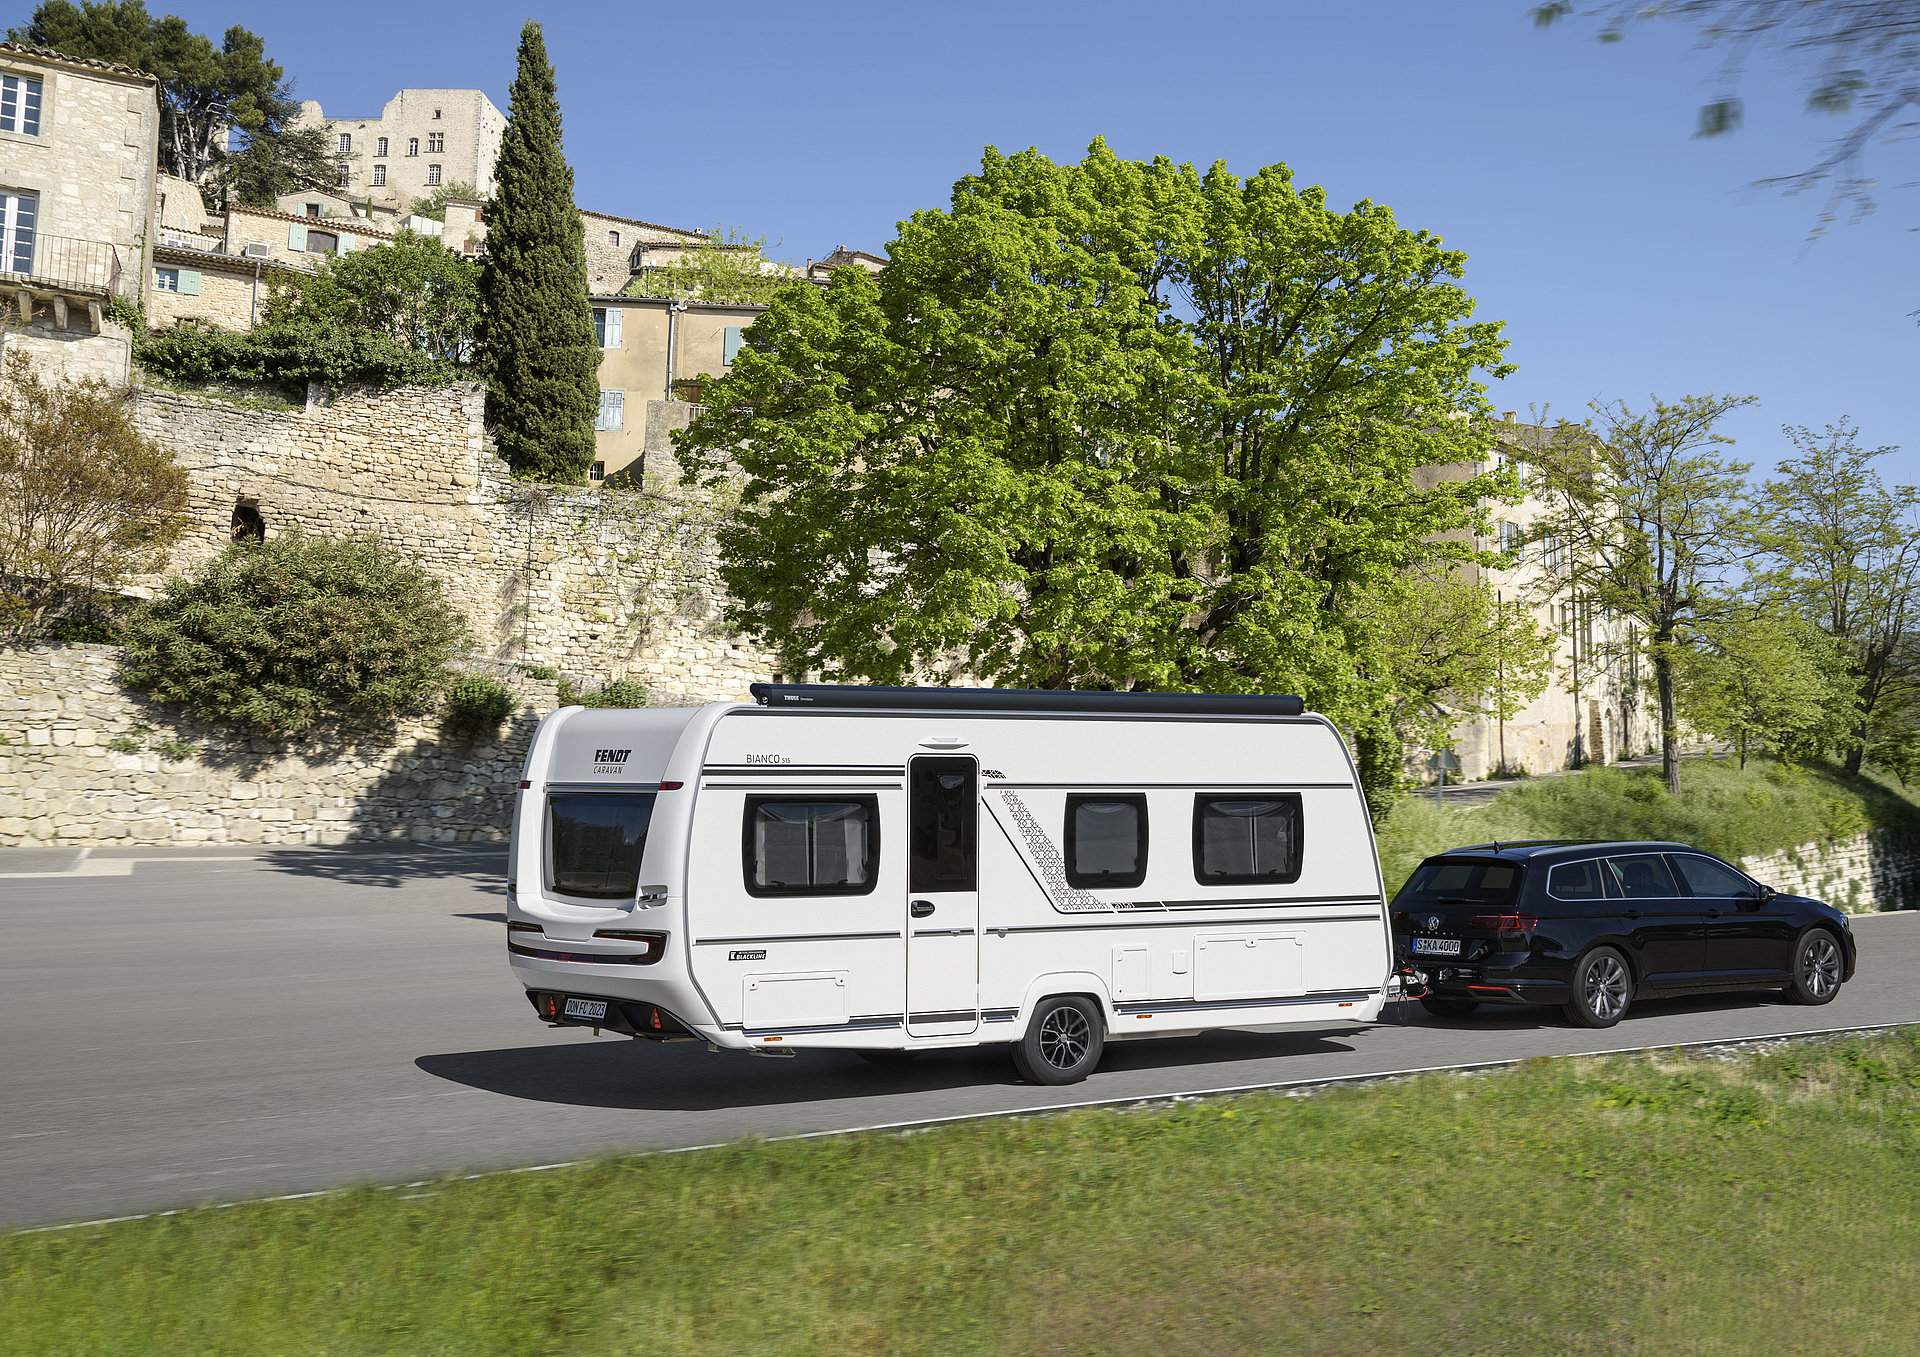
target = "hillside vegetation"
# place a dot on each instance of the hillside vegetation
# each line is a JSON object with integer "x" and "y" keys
{"x": 1765, "y": 808}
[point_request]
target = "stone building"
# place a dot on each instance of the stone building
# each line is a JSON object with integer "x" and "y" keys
{"x": 421, "y": 140}
{"x": 224, "y": 279}
{"x": 1593, "y": 709}
{"x": 653, "y": 351}
{"x": 79, "y": 142}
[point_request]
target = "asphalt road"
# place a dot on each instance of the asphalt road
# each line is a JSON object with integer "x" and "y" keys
{"x": 211, "y": 1027}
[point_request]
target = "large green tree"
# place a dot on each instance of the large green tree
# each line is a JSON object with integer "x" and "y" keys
{"x": 206, "y": 93}
{"x": 1108, "y": 425}
{"x": 536, "y": 323}
{"x": 1760, "y": 679}
{"x": 414, "y": 291}
{"x": 1646, "y": 508}
{"x": 1842, "y": 550}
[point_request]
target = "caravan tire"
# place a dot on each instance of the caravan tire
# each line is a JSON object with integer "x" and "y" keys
{"x": 1063, "y": 1042}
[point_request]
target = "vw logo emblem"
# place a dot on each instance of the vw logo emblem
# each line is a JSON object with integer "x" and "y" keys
{"x": 1433, "y": 921}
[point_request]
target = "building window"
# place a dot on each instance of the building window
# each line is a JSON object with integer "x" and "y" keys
{"x": 730, "y": 344}
{"x": 346, "y": 143}
{"x": 413, "y": 146}
{"x": 344, "y": 177}
{"x": 380, "y": 146}
{"x": 606, "y": 326}
{"x": 313, "y": 209}
{"x": 436, "y": 113}
{"x": 166, "y": 280}
{"x": 20, "y": 105}
{"x": 613, "y": 239}
{"x": 19, "y": 214}
{"x": 598, "y": 472}
{"x": 433, "y": 174}
{"x": 613, "y": 411}
{"x": 436, "y": 142}
{"x": 322, "y": 242}
{"x": 1509, "y": 536}
{"x": 379, "y": 175}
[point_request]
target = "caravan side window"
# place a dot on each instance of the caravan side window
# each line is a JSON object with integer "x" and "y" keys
{"x": 811, "y": 845}
{"x": 1106, "y": 840}
{"x": 1242, "y": 840}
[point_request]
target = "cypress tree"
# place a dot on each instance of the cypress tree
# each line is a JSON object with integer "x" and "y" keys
{"x": 537, "y": 325}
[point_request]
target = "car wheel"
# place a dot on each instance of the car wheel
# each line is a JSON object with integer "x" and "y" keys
{"x": 1447, "y": 1008}
{"x": 1063, "y": 1042}
{"x": 1602, "y": 989}
{"x": 1817, "y": 968}
{"x": 884, "y": 1057}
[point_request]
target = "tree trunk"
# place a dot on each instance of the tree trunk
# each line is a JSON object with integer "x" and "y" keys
{"x": 1857, "y": 753}
{"x": 1669, "y": 732}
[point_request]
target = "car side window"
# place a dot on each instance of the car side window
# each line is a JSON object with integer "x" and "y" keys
{"x": 1704, "y": 876}
{"x": 1643, "y": 876}
{"x": 1577, "y": 881}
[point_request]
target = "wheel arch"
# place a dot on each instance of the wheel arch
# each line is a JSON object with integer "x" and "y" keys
{"x": 1066, "y": 984}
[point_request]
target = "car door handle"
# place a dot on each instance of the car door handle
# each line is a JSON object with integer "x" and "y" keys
{"x": 1630, "y": 913}
{"x": 920, "y": 909}
{"x": 1715, "y": 913}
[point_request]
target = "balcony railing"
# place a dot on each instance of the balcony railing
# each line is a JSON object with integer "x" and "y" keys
{"x": 60, "y": 263}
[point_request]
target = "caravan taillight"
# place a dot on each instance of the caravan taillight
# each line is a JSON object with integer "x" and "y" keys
{"x": 525, "y": 785}
{"x": 671, "y": 786}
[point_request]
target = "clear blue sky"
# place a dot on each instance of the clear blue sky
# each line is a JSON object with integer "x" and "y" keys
{"x": 1624, "y": 256}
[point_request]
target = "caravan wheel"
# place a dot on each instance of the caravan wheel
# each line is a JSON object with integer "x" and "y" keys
{"x": 1063, "y": 1042}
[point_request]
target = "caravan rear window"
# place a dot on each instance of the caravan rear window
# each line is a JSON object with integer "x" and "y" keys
{"x": 594, "y": 843}
{"x": 1241, "y": 840}
{"x": 811, "y": 845}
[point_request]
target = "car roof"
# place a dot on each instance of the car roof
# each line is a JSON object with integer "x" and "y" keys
{"x": 1560, "y": 850}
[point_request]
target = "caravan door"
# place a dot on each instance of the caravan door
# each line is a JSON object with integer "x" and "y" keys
{"x": 943, "y": 895}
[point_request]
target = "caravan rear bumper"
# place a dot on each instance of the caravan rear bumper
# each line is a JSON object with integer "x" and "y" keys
{"x": 630, "y": 1017}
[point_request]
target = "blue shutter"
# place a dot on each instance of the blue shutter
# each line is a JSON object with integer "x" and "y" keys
{"x": 346, "y": 243}
{"x": 296, "y": 237}
{"x": 189, "y": 282}
{"x": 733, "y": 344}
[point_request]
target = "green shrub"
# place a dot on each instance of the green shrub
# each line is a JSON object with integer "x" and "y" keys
{"x": 543, "y": 671}
{"x": 479, "y": 703}
{"x": 289, "y": 356}
{"x": 620, "y": 692}
{"x": 283, "y": 635}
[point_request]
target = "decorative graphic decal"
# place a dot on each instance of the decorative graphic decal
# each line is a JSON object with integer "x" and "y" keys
{"x": 1047, "y": 861}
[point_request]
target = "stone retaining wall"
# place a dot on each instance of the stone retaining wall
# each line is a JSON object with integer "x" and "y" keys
{"x": 85, "y": 762}
{"x": 1872, "y": 871}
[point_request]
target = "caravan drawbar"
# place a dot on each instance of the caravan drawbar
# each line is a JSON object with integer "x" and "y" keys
{"x": 891, "y": 870}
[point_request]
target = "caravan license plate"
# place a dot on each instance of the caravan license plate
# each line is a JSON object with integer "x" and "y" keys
{"x": 591, "y": 1009}
{"x": 1436, "y": 946}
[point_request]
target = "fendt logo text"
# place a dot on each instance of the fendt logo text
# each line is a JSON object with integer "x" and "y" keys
{"x": 609, "y": 760}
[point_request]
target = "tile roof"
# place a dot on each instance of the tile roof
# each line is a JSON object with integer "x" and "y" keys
{"x": 85, "y": 63}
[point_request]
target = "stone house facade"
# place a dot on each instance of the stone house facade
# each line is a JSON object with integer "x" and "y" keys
{"x": 224, "y": 280}
{"x": 79, "y": 142}
{"x": 653, "y": 349}
{"x": 422, "y": 139}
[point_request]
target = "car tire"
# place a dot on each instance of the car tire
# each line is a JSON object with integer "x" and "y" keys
{"x": 1447, "y": 1008}
{"x": 1602, "y": 989}
{"x": 887, "y": 1057}
{"x": 1063, "y": 1042}
{"x": 1818, "y": 964}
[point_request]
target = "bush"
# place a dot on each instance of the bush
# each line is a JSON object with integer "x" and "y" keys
{"x": 290, "y": 355}
{"x": 480, "y": 703}
{"x": 282, "y": 635}
{"x": 620, "y": 692}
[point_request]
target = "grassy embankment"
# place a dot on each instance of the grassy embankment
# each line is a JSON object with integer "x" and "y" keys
{"x": 1671, "y": 1203}
{"x": 1720, "y": 808}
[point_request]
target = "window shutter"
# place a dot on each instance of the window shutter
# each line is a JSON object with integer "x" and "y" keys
{"x": 296, "y": 237}
{"x": 612, "y": 411}
{"x": 733, "y": 344}
{"x": 346, "y": 243}
{"x": 189, "y": 282}
{"x": 614, "y": 313}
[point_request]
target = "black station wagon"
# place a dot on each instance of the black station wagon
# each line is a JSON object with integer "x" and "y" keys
{"x": 1591, "y": 926}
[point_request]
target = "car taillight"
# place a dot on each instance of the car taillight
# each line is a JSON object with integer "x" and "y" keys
{"x": 1503, "y": 923}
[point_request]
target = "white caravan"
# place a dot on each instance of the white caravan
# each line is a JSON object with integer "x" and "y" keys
{"x": 892, "y": 870}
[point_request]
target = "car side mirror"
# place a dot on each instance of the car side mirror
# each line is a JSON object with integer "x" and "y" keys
{"x": 1762, "y": 894}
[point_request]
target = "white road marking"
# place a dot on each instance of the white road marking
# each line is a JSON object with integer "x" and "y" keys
{"x": 91, "y": 866}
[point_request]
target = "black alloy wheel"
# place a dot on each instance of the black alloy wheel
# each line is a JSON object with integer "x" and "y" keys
{"x": 1817, "y": 968}
{"x": 1602, "y": 989}
{"x": 1063, "y": 1042}
{"x": 1447, "y": 1008}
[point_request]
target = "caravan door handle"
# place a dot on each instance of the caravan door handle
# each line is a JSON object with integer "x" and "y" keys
{"x": 920, "y": 909}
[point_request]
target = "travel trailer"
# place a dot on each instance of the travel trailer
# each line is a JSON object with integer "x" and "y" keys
{"x": 894, "y": 870}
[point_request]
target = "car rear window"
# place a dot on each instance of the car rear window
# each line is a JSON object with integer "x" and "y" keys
{"x": 594, "y": 843}
{"x": 1644, "y": 876}
{"x": 1461, "y": 883}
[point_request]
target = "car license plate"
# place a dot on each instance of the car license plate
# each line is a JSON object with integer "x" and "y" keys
{"x": 591, "y": 1009}
{"x": 1436, "y": 946}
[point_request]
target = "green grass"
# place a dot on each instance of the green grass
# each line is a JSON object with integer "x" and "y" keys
{"x": 1664, "y": 1204}
{"x": 1735, "y": 813}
